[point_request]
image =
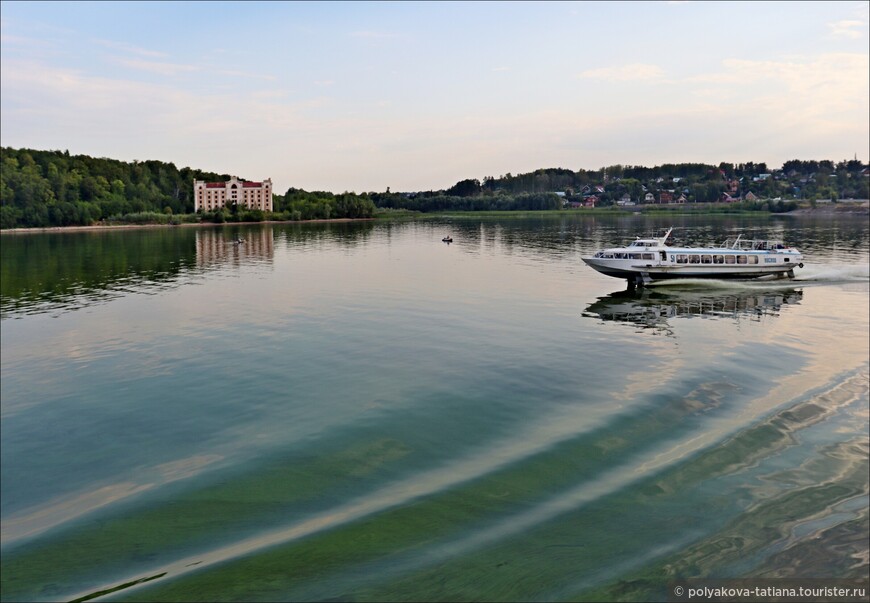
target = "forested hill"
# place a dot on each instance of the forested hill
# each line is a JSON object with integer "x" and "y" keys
{"x": 42, "y": 188}
{"x": 54, "y": 188}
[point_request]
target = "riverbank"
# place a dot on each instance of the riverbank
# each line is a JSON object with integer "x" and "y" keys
{"x": 843, "y": 208}
{"x": 108, "y": 227}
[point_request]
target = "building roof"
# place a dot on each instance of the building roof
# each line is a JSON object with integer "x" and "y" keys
{"x": 224, "y": 184}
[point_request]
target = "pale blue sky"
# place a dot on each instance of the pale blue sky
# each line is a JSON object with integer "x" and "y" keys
{"x": 416, "y": 96}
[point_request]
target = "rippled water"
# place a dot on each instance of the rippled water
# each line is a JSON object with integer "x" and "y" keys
{"x": 362, "y": 412}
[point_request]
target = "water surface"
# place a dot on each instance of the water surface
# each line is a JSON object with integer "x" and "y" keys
{"x": 362, "y": 412}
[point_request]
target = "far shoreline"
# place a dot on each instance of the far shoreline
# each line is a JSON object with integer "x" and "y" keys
{"x": 856, "y": 209}
{"x": 108, "y": 227}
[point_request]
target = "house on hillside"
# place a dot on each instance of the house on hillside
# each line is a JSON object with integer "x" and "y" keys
{"x": 751, "y": 197}
{"x": 649, "y": 198}
{"x": 666, "y": 197}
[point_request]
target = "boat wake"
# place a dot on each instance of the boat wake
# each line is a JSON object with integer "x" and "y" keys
{"x": 822, "y": 275}
{"x": 836, "y": 274}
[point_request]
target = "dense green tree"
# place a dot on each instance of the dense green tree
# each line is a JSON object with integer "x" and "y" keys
{"x": 44, "y": 188}
{"x": 465, "y": 188}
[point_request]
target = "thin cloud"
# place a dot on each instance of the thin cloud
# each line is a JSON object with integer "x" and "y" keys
{"x": 847, "y": 29}
{"x": 158, "y": 67}
{"x": 817, "y": 97}
{"x": 374, "y": 35}
{"x": 245, "y": 74}
{"x": 820, "y": 72}
{"x": 130, "y": 49}
{"x": 137, "y": 106}
{"x": 625, "y": 73}
{"x": 23, "y": 41}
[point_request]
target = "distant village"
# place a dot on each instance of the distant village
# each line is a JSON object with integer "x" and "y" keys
{"x": 626, "y": 186}
{"x": 591, "y": 196}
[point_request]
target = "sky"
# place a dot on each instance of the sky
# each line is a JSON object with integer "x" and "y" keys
{"x": 413, "y": 96}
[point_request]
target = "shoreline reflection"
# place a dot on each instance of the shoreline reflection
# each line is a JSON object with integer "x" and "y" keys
{"x": 218, "y": 246}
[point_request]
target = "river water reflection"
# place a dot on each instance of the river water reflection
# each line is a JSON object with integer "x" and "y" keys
{"x": 361, "y": 411}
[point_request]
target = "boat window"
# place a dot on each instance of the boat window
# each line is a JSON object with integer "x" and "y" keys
{"x": 634, "y": 256}
{"x": 682, "y": 258}
{"x": 694, "y": 259}
{"x": 741, "y": 259}
{"x": 718, "y": 259}
{"x": 729, "y": 259}
{"x": 753, "y": 259}
{"x": 647, "y": 256}
{"x": 706, "y": 259}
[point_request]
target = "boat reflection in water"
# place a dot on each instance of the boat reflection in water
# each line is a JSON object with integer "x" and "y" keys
{"x": 653, "y": 309}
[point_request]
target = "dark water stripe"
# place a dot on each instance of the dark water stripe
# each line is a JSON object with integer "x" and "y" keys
{"x": 605, "y": 442}
{"x": 672, "y": 483}
{"x": 120, "y": 587}
{"x": 796, "y": 417}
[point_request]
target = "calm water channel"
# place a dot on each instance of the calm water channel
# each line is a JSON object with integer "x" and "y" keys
{"x": 362, "y": 412}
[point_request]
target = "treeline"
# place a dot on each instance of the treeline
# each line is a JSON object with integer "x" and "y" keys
{"x": 424, "y": 202}
{"x": 560, "y": 179}
{"x": 297, "y": 204}
{"x": 54, "y": 188}
{"x": 778, "y": 189}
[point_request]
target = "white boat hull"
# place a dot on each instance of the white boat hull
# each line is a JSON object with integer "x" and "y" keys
{"x": 666, "y": 271}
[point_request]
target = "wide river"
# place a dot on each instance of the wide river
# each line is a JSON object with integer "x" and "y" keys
{"x": 358, "y": 411}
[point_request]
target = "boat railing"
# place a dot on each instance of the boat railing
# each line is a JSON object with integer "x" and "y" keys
{"x": 754, "y": 244}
